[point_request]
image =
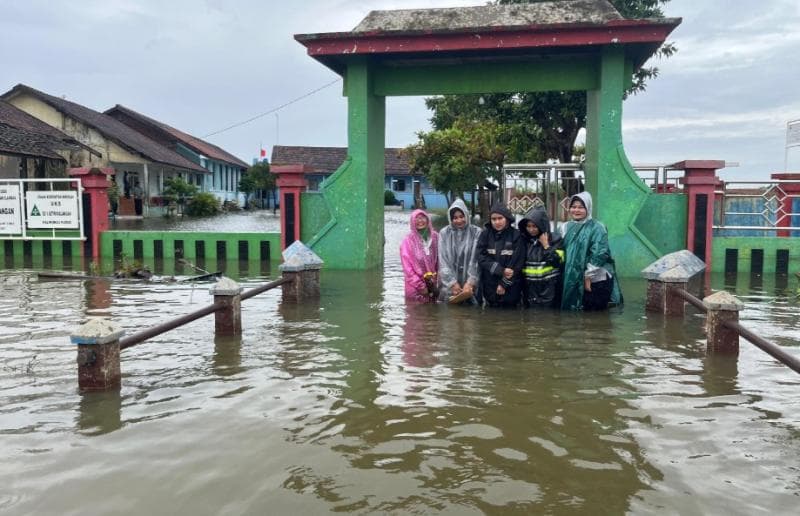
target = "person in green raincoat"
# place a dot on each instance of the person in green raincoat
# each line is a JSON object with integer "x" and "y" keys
{"x": 590, "y": 281}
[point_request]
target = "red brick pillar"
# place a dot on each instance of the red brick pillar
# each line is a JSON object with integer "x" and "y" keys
{"x": 95, "y": 185}
{"x": 228, "y": 319}
{"x": 98, "y": 355}
{"x": 722, "y": 307}
{"x": 786, "y": 190}
{"x": 292, "y": 182}
{"x": 699, "y": 182}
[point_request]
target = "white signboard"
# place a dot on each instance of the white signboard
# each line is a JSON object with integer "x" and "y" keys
{"x": 10, "y": 210}
{"x": 56, "y": 209}
{"x": 793, "y": 133}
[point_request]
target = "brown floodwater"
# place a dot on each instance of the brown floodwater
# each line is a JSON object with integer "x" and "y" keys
{"x": 359, "y": 403}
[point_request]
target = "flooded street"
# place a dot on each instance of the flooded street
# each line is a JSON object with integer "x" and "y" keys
{"x": 361, "y": 404}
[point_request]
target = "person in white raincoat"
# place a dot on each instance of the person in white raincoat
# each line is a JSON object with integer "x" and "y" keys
{"x": 458, "y": 260}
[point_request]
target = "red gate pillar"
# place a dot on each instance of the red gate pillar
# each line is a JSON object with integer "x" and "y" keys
{"x": 95, "y": 186}
{"x": 699, "y": 182}
{"x": 787, "y": 190}
{"x": 292, "y": 182}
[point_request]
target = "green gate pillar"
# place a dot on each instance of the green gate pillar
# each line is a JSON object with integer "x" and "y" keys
{"x": 353, "y": 239}
{"x": 616, "y": 189}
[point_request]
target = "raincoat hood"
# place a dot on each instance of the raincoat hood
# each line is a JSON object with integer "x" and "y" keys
{"x": 539, "y": 217}
{"x": 500, "y": 208}
{"x": 412, "y": 222}
{"x": 586, "y": 199}
{"x": 458, "y": 204}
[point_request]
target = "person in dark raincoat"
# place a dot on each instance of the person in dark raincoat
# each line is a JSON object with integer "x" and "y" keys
{"x": 458, "y": 260}
{"x": 501, "y": 254}
{"x": 543, "y": 261}
{"x": 590, "y": 281}
{"x": 419, "y": 256}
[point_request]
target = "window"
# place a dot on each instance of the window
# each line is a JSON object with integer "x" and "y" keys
{"x": 399, "y": 185}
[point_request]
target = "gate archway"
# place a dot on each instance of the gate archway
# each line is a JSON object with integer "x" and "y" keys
{"x": 578, "y": 45}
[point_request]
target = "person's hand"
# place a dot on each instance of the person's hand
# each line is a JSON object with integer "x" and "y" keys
{"x": 468, "y": 287}
{"x": 423, "y": 290}
{"x": 508, "y": 273}
{"x": 544, "y": 240}
{"x": 455, "y": 289}
{"x": 587, "y": 284}
{"x": 501, "y": 291}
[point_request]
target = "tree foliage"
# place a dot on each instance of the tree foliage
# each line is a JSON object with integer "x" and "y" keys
{"x": 540, "y": 125}
{"x": 459, "y": 158}
{"x": 257, "y": 178}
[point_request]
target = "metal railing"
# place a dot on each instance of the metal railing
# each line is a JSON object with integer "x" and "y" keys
{"x": 528, "y": 185}
{"x": 773, "y": 350}
{"x": 747, "y": 206}
{"x": 139, "y": 337}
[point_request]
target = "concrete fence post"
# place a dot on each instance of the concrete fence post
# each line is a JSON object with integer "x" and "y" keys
{"x": 666, "y": 276}
{"x": 228, "y": 319}
{"x": 98, "y": 355}
{"x": 722, "y": 307}
{"x": 301, "y": 265}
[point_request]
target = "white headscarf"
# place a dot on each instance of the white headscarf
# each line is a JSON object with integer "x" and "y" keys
{"x": 586, "y": 199}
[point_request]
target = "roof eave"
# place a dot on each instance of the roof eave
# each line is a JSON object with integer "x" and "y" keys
{"x": 335, "y": 48}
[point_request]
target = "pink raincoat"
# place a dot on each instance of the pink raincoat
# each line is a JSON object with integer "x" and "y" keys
{"x": 418, "y": 257}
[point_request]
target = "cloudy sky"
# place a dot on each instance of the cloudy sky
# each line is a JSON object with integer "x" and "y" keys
{"x": 202, "y": 66}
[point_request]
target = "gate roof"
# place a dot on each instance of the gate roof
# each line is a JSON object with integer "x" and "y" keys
{"x": 492, "y": 32}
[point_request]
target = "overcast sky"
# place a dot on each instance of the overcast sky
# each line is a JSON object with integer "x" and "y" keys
{"x": 202, "y": 66}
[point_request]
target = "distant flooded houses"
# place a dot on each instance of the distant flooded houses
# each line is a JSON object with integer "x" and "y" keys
{"x": 409, "y": 189}
{"x": 142, "y": 151}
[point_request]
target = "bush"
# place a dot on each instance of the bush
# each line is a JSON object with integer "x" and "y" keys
{"x": 203, "y": 204}
{"x": 388, "y": 198}
{"x": 230, "y": 206}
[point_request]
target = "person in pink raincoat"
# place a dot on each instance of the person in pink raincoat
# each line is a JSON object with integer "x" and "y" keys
{"x": 419, "y": 255}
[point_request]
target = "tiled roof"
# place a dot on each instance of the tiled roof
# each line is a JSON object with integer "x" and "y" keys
{"x": 456, "y": 18}
{"x": 111, "y": 129}
{"x": 21, "y": 133}
{"x": 200, "y": 146}
{"x": 328, "y": 159}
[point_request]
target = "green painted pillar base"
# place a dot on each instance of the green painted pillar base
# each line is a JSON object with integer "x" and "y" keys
{"x": 617, "y": 192}
{"x": 353, "y": 238}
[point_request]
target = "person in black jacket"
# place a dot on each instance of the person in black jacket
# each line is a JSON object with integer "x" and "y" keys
{"x": 544, "y": 259}
{"x": 501, "y": 254}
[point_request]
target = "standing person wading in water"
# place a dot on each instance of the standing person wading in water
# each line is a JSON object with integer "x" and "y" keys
{"x": 590, "y": 281}
{"x": 419, "y": 256}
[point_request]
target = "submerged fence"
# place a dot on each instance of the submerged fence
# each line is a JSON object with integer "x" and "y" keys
{"x": 669, "y": 282}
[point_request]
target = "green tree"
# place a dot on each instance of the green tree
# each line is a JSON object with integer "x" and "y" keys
{"x": 460, "y": 158}
{"x": 257, "y": 179}
{"x": 177, "y": 190}
{"x": 541, "y": 125}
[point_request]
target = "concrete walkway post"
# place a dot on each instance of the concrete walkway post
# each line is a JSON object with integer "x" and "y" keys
{"x": 302, "y": 267}
{"x": 228, "y": 319}
{"x": 667, "y": 275}
{"x": 98, "y": 355}
{"x": 722, "y": 307}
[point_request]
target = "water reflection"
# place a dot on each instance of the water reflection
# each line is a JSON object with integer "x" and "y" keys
{"x": 359, "y": 403}
{"x": 99, "y": 413}
{"x": 227, "y": 359}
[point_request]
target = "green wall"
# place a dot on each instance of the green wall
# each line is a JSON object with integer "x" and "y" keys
{"x": 662, "y": 220}
{"x": 314, "y": 215}
{"x": 745, "y": 246}
{"x": 189, "y": 239}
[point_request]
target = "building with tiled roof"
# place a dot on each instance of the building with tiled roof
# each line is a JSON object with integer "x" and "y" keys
{"x": 324, "y": 161}
{"x": 137, "y": 160}
{"x": 31, "y": 149}
{"x": 225, "y": 168}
